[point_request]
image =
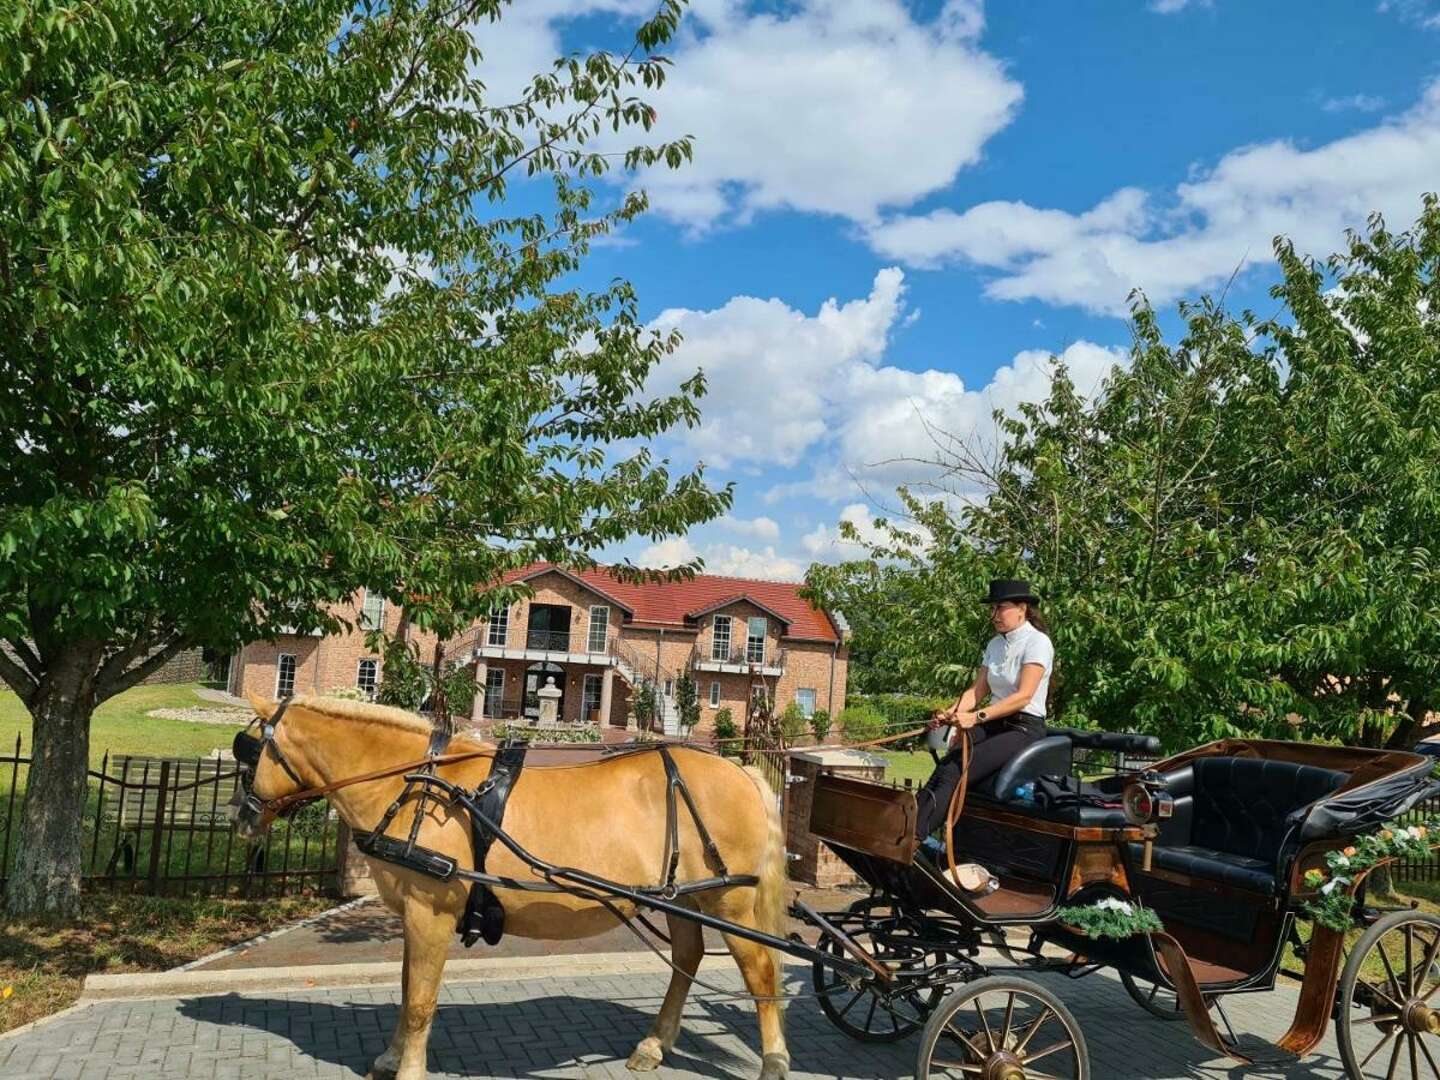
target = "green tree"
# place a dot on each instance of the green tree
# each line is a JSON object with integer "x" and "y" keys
{"x": 687, "y": 703}
{"x": 645, "y": 704}
{"x": 268, "y": 335}
{"x": 1235, "y": 535}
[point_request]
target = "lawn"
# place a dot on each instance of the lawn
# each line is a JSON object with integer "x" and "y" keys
{"x": 43, "y": 964}
{"x": 916, "y": 765}
{"x": 121, "y": 725}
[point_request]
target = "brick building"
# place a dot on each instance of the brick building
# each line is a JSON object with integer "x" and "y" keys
{"x": 598, "y": 638}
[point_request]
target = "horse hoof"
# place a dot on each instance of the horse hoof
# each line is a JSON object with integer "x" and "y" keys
{"x": 775, "y": 1067}
{"x": 380, "y": 1072}
{"x": 646, "y": 1057}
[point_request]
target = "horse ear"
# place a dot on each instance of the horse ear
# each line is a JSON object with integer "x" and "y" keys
{"x": 263, "y": 709}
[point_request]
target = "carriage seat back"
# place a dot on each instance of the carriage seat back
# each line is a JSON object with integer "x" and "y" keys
{"x": 1237, "y": 819}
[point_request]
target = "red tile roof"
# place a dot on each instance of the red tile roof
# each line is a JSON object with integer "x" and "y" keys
{"x": 669, "y": 603}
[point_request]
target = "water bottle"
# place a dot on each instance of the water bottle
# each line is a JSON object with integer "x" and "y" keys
{"x": 1025, "y": 792}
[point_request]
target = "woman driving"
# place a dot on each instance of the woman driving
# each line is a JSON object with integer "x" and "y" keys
{"x": 1014, "y": 676}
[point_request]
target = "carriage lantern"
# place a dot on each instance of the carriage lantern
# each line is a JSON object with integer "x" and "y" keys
{"x": 1147, "y": 803}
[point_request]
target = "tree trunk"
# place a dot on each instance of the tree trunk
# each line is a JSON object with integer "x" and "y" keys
{"x": 45, "y": 877}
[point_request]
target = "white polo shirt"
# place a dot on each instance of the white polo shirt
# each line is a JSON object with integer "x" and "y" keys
{"x": 1006, "y": 654}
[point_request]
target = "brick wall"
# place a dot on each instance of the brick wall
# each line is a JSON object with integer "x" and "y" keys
{"x": 185, "y": 666}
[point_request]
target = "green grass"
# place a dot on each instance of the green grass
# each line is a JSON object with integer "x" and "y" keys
{"x": 905, "y": 765}
{"x": 121, "y": 726}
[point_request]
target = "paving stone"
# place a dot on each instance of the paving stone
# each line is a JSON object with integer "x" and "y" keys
{"x": 579, "y": 1027}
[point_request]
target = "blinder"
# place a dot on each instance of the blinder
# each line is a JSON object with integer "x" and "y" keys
{"x": 248, "y": 750}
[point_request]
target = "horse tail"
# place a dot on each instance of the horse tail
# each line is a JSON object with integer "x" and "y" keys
{"x": 773, "y": 874}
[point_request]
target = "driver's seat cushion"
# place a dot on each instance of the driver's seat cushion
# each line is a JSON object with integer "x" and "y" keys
{"x": 1244, "y": 818}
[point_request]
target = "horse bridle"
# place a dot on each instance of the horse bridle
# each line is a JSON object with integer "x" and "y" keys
{"x": 248, "y": 750}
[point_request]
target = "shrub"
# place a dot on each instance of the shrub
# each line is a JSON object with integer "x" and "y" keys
{"x": 725, "y": 725}
{"x": 820, "y": 724}
{"x": 901, "y": 712}
{"x": 860, "y": 723}
{"x": 687, "y": 703}
{"x": 576, "y": 733}
{"x": 643, "y": 706}
{"x": 793, "y": 723}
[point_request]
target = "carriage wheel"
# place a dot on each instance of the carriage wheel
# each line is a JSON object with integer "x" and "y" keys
{"x": 1159, "y": 1001}
{"x": 1002, "y": 1028}
{"x": 869, "y": 1013}
{"x": 1390, "y": 1000}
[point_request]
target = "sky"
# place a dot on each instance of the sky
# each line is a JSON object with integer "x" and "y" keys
{"x": 900, "y": 212}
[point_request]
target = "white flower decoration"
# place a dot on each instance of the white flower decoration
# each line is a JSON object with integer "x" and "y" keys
{"x": 1109, "y": 903}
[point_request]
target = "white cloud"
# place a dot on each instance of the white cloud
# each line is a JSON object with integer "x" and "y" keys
{"x": 790, "y": 388}
{"x": 1220, "y": 221}
{"x": 1354, "y": 103}
{"x": 1171, "y": 7}
{"x": 762, "y": 528}
{"x": 1422, "y": 13}
{"x": 730, "y": 560}
{"x": 832, "y": 106}
{"x": 825, "y": 544}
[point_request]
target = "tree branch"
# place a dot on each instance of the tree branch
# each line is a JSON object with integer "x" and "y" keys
{"x": 18, "y": 678}
{"x": 27, "y": 656}
{"x": 140, "y": 671}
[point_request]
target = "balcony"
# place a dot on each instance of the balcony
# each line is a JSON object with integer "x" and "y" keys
{"x": 740, "y": 660}
{"x": 573, "y": 647}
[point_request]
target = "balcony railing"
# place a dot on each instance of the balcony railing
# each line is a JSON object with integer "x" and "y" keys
{"x": 739, "y": 656}
{"x": 559, "y": 641}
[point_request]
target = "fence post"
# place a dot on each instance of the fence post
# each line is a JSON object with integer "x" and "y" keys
{"x": 157, "y": 832}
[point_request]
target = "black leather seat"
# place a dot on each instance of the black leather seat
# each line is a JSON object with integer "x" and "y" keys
{"x": 1050, "y": 756}
{"x": 1237, "y": 820}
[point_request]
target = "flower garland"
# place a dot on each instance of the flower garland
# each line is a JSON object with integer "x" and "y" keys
{"x": 1333, "y": 905}
{"x": 1111, "y": 918}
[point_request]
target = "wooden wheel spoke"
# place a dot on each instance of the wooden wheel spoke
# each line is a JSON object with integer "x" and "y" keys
{"x": 1390, "y": 972}
{"x": 1378, "y": 1047}
{"x": 1434, "y": 1068}
{"x": 951, "y": 1029}
{"x": 1426, "y": 966}
{"x": 1394, "y": 1059}
{"x": 1009, "y": 1016}
{"x": 1414, "y": 1058}
{"x": 1389, "y": 1018}
{"x": 1030, "y": 1032}
{"x": 973, "y": 1070}
{"x": 1409, "y": 960}
{"x": 851, "y": 1003}
{"x": 985, "y": 1024}
{"x": 1053, "y": 1048}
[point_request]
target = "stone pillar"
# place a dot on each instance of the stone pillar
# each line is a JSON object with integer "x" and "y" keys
{"x": 354, "y": 876}
{"x": 549, "y": 696}
{"x": 607, "y": 695}
{"x": 811, "y": 861}
{"x": 477, "y": 708}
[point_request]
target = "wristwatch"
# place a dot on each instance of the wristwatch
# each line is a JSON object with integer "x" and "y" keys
{"x": 980, "y": 716}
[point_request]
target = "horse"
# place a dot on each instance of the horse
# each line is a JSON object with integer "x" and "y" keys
{"x": 605, "y": 815}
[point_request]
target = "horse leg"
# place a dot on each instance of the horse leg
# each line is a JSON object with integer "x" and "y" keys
{"x": 386, "y": 1064}
{"x": 687, "y": 946}
{"x": 761, "y": 971}
{"x": 427, "y": 939}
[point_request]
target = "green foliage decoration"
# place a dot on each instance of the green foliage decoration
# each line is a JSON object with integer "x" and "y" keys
{"x": 1111, "y": 918}
{"x": 1333, "y": 902}
{"x": 574, "y": 733}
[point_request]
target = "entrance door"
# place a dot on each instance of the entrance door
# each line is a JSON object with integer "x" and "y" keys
{"x": 535, "y": 676}
{"x": 549, "y": 629}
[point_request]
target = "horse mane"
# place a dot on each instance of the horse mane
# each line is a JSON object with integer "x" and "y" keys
{"x": 366, "y": 712}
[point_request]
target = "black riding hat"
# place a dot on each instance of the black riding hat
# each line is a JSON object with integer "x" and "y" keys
{"x": 1002, "y": 589}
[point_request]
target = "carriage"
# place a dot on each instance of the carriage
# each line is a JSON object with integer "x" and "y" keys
{"x": 1226, "y": 844}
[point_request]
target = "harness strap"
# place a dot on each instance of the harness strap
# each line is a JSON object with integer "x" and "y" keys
{"x": 675, "y": 782}
{"x": 484, "y": 915}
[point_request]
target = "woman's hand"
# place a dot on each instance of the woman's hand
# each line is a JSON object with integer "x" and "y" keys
{"x": 954, "y": 716}
{"x": 965, "y": 720}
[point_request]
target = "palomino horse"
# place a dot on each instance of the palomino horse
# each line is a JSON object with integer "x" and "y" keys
{"x": 605, "y": 816}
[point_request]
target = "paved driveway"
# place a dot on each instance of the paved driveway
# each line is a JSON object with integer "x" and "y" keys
{"x": 564, "y": 1027}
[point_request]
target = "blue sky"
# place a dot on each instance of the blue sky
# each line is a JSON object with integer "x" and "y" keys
{"x": 899, "y": 211}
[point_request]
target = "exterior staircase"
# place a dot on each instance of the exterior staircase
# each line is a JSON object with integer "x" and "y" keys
{"x": 636, "y": 668}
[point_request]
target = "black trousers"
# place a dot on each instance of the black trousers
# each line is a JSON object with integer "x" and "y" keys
{"x": 991, "y": 746}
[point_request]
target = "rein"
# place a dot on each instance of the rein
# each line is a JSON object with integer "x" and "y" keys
{"x": 282, "y": 803}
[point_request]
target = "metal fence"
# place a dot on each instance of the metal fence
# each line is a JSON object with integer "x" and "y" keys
{"x": 158, "y": 826}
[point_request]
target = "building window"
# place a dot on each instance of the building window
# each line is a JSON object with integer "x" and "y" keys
{"x": 755, "y": 640}
{"x": 285, "y": 676}
{"x": 367, "y": 678}
{"x": 669, "y": 688}
{"x": 372, "y": 611}
{"x": 720, "y": 638}
{"x": 590, "y": 699}
{"x": 494, "y": 691}
{"x": 805, "y": 699}
{"x": 715, "y": 694}
{"x": 499, "y": 623}
{"x": 599, "y": 627}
